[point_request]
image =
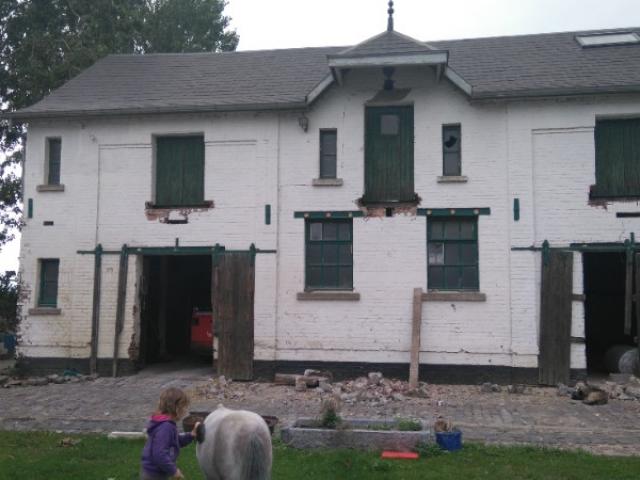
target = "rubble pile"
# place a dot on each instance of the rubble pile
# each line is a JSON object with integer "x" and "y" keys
{"x": 618, "y": 387}
{"x": 73, "y": 377}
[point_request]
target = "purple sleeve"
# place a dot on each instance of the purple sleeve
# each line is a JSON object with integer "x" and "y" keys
{"x": 160, "y": 450}
{"x": 185, "y": 439}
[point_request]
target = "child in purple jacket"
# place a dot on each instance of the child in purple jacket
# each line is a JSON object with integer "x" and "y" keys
{"x": 164, "y": 443}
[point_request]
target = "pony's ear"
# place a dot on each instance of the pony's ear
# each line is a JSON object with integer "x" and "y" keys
{"x": 200, "y": 433}
{"x": 219, "y": 406}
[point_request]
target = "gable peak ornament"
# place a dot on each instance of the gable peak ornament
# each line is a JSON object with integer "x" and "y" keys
{"x": 390, "y": 20}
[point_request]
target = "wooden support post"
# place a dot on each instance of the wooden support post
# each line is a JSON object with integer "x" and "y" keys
{"x": 95, "y": 314}
{"x": 628, "y": 292}
{"x": 414, "y": 367}
{"x": 122, "y": 297}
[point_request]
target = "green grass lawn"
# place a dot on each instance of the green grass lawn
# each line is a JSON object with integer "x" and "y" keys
{"x": 35, "y": 456}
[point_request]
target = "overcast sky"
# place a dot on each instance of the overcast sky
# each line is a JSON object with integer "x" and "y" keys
{"x": 303, "y": 23}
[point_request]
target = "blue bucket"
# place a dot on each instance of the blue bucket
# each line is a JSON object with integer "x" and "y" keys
{"x": 450, "y": 441}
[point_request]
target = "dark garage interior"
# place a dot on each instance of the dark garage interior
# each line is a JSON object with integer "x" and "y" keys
{"x": 604, "y": 287}
{"x": 173, "y": 287}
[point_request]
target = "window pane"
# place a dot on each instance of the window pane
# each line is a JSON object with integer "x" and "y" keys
{"x": 470, "y": 277}
{"x": 55, "y": 151}
{"x": 452, "y": 164}
{"x": 48, "y": 283}
{"x": 436, "y": 277}
{"x": 452, "y": 230}
{"x": 344, "y": 231}
{"x": 452, "y": 277}
{"x": 314, "y": 277}
{"x": 315, "y": 231}
{"x": 314, "y": 254}
{"x": 436, "y": 253}
{"x": 328, "y": 168}
{"x": 346, "y": 257}
{"x": 469, "y": 253}
{"x": 451, "y": 139}
{"x": 328, "y": 140}
{"x": 346, "y": 277}
{"x": 437, "y": 230}
{"x": 389, "y": 124}
{"x": 330, "y": 277}
{"x": 452, "y": 254}
{"x": 330, "y": 231}
{"x": 467, "y": 229}
{"x": 330, "y": 254}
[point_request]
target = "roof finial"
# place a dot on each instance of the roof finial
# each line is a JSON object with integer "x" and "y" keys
{"x": 390, "y": 21}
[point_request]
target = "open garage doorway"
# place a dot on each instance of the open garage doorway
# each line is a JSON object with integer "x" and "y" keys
{"x": 604, "y": 288}
{"x": 176, "y": 293}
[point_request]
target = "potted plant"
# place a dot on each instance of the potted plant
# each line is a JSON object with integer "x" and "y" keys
{"x": 447, "y": 436}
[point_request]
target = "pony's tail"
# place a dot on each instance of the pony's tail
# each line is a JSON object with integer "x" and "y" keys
{"x": 256, "y": 462}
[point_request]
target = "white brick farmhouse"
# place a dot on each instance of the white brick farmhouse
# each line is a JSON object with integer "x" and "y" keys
{"x": 303, "y": 195}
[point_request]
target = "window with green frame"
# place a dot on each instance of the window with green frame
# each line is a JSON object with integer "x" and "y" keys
{"x": 452, "y": 246}
{"x": 617, "y": 158}
{"x": 180, "y": 171}
{"x": 329, "y": 254}
{"x": 48, "y": 294}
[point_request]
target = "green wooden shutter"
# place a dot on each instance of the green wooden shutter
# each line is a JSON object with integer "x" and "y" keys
{"x": 617, "y": 158}
{"x": 179, "y": 171}
{"x": 389, "y": 155}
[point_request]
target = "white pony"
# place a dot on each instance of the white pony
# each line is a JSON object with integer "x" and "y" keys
{"x": 234, "y": 445}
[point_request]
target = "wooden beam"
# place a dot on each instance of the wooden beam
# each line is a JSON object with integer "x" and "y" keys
{"x": 628, "y": 293}
{"x": 414, "y": 368}
{"x": 122, "y": 297}
{"x": 95, "y": 314}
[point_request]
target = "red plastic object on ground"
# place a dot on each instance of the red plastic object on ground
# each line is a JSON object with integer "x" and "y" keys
{"x": 202, "y": 332}
{"x": 400, "y": 455}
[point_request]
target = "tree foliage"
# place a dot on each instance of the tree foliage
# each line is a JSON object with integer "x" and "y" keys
{"x": 44, "y": 43}
{"x": 8, "y": 301}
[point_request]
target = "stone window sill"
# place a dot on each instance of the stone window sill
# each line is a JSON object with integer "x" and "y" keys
{"x": 45, "y": 311}
{"x": 327, "y": 182}
{"x": 153, "y": 206}
{"x": 458, "y": 296}
{"x": 50, "y": 188}
{"x": 453, "y": 179}
{"x": 329, "y": 295}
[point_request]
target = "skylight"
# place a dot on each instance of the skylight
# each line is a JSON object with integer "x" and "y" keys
{"x": 602, "y": 39}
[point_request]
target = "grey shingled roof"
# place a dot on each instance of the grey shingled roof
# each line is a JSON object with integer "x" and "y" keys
{"x": 544, "y": 64}
{"x": 253, "y": 80}
{"x": 387, "y": 43}
{"x": 518, "y": 66}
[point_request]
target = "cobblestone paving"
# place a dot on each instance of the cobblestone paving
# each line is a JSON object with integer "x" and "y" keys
{"x": 536, "y": 417}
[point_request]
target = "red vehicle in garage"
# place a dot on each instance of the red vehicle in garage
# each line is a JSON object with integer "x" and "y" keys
{"x": 202, "y": 332}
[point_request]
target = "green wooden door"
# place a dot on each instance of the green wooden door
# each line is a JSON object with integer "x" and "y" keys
{"x": 389, "y": 155}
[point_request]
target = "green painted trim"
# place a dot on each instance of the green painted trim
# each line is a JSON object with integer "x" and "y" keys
{"x": 30, "y": 208}
{"x": 516, "y": 209}
{"x": 329, "y": 215}
{"x": 216, "y": 249}
{"x": 267, "y": 214}
{"x": 453, "y": 212}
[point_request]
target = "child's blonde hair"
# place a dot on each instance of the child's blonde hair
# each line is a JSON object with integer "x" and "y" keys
{"x": 174, "y": 402}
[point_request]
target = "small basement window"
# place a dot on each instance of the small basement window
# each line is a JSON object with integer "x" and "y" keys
{"x": 605, "y": 39}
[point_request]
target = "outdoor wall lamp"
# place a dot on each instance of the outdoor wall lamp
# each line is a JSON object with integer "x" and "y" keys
{"x": 303, "y": 121}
